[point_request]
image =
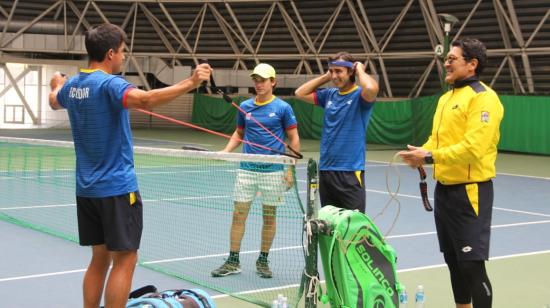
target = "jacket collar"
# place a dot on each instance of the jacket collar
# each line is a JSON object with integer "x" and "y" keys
{"x": 464, "y": 82}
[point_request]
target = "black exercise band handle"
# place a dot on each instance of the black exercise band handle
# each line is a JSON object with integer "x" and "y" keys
{"x": 424, "y": 189}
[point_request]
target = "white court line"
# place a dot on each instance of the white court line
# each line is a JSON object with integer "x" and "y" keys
{"x": 525, "y": 176}
{"x": 492, "y": 227}
{"x": 144, "y": 200}
{"x": 431, "y": 199}
{"x": 498, "y": 173}
{"x": 384, "y": 192}
{"x": 218, "y": 255}
{"x": 300, "y": 247}
{"x": 42, "y": 275}
{"x": 405, "y": 270}
{"x": 521, "y": 212}
{"x": 30, "y": 177}
{"x": 277, "y": 288}
{"x": 36, "y": 207}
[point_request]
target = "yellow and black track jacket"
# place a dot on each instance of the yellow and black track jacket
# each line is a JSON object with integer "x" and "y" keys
{"x": 465, "y": 133}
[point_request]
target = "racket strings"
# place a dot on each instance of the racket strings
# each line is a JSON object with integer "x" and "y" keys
{"x": 393, "y": 194}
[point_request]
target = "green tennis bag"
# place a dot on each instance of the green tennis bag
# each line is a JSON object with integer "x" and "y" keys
{"x": 359, "y": 265}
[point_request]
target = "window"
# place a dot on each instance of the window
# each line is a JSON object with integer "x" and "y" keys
{"x": 14, "y": 114}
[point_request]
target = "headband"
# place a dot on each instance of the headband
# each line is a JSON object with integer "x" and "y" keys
{"x": 341, "y": 63}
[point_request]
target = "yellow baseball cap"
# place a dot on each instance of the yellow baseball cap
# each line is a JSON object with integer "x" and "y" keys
{"x": 263, "y": 70}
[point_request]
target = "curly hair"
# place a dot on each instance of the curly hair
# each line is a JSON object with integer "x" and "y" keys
{"x": 345, "y": 56}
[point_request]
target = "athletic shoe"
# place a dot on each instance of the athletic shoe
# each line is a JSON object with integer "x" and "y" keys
{"x": 228, "y": 268}
{"x": 262, "y": 268}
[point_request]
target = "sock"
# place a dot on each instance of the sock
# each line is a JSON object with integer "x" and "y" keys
{"x": 263, "y": 256}
{"x": 234, "y": 257}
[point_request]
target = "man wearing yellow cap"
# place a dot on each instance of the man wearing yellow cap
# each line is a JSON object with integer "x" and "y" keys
{"x": 347, "y": 110}
{"x": 277, "y": 116}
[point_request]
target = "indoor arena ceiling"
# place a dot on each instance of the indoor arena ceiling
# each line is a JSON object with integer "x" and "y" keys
{"x": 396, "y": 38}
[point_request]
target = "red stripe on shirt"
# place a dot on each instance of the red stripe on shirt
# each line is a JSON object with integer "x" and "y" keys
{"x": 292, "y": 126}
{"x": 315, "y": 98}
{"x": 125, "y": 95}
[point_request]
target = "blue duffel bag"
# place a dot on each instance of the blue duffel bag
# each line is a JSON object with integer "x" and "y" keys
{"x": 178, "y": 298}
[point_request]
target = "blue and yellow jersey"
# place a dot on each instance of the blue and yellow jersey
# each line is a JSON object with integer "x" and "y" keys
{"x": 95, "y": 102}
{"x": 277, "y": 116}
{"x": 343, "y": 138}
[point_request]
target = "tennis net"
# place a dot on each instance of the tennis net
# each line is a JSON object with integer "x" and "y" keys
{"x": 188, "y": 206}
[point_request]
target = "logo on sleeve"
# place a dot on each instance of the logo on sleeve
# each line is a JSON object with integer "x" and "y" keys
{"x": 485, "y": 116}
{"x": 271, "y": 115}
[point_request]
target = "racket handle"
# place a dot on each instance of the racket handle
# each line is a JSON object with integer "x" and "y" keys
{"x": 225, "y": 96}
{"x": 422, "y": 172}
{"x": 424, "y": 195}
{"x": 204, "y": 83}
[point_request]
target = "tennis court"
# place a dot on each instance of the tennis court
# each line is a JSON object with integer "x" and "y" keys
{"x": 521, "y": 222}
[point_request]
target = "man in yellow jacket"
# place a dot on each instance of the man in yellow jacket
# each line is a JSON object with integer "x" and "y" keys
{"x": 463, "y": 150}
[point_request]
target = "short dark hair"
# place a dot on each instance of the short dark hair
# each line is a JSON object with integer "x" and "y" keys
{"x": 344, "y": 55}
{"x": 473, "y": 49}
{"x": 100, "y": 39}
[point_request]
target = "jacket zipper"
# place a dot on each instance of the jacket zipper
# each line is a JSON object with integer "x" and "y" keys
{"x": 439, "y": 125}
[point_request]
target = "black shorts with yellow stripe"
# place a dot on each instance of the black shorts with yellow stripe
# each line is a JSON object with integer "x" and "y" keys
{"x": 344, "y": 189}
{"x": 114, "y": 221}
{"x": 463, "y": 219}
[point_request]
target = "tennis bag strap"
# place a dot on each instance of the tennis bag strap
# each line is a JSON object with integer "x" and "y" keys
{"x": 330, "y": 275}
{"x": 190, "y": 296}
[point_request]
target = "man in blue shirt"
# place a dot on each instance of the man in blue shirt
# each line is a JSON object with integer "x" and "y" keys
{"x": 347, "y": 110}
{"x": 277, "y": 116}
{"x": 109, "y": 207}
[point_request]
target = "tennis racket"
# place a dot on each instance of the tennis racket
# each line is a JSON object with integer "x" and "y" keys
{"x": 424, "y": 189}
{"x": 193, "y": 148}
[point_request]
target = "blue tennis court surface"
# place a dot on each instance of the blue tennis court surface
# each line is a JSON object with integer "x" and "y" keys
{"x": 51, "y": 268}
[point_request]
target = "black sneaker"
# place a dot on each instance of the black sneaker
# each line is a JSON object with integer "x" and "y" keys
{"x": 262, "y": 268}
{"x": 228, "y": 268}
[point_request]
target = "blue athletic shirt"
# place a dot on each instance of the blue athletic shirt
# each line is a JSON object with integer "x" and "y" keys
{"x": 346, "y": 118}
{"x": 277, "y": 116}
{"x": 96, "y": 104}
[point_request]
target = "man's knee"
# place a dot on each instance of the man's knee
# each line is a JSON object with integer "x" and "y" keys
{"x": 473, "y": 270}
{"x": 125, "y": 258}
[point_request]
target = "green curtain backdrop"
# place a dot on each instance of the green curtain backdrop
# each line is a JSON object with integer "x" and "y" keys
{"x": 214, "y": 113}
{"x": 526, "y": 124}
{"x": 525, "y": 127}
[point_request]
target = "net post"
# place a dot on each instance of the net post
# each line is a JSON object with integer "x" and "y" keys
{"x": 311, "y": 273}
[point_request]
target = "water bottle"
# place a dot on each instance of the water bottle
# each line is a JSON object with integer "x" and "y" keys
{"x": 284, "y": 303}
{"x": 403, "y": 298}
{"x": 420, "y": 297}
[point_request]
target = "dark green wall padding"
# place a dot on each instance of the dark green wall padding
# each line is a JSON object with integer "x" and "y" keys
{"x": 525, "y": 127}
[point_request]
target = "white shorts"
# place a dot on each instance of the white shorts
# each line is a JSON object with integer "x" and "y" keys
{"x": 270, "y": 185}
